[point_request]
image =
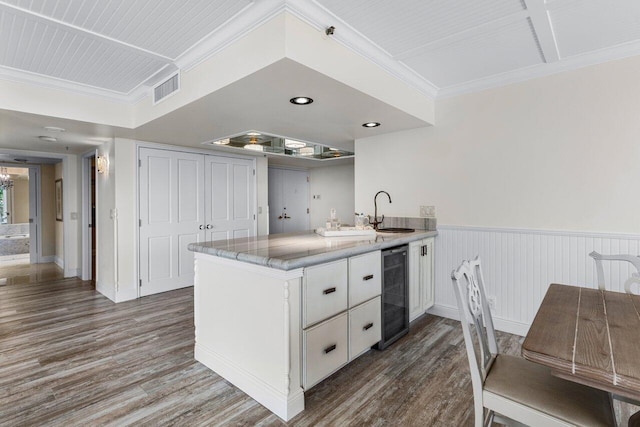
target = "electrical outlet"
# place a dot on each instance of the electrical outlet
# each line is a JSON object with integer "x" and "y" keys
{"x": 492, "y": 303}
{"x": 428, "y": 211}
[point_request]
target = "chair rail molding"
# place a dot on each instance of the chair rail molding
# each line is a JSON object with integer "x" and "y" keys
{"x": 519, "y": 265}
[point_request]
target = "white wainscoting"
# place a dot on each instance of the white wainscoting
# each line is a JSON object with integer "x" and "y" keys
{"x": 519, "y": 265}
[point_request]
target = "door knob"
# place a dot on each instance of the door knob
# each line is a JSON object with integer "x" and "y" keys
{"x": 201, "y": 227}
{"x": 280, "y": 217}
{"x": 209, "y": 226}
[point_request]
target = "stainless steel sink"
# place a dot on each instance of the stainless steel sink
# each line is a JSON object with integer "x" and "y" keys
{"x": 395, "y": 230}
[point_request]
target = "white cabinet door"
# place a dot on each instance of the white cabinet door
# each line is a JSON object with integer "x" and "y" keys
{"x": 288, "y": 200}
{"x": 421, "y": 277}
{"x": 427, "y": 274}
{"x": 170, "y": 218}
{"x": 415, "y": 297}
{"x": 229, "y": 198}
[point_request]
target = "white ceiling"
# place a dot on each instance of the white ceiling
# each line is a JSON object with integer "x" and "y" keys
{"x": 119, "y": 48}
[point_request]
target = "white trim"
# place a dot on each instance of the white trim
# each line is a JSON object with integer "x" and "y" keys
{"x": 106, "y": 290}
{"x": 47, "y": 259}
{"x": 285, "y": 407}
{"x": 246, "y": 20}
{"x": 85, "y": 199}
{"x": 320, "y": 18}
{"x": 59, "y": 262}
{"x": 603, "y": 235}
{"x": 501, "y": 324}
{"x": 542, "y": 70}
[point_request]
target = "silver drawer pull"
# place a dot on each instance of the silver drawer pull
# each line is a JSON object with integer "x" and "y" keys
{"x": 369, "y": 277}
{"x": 367, "y": 326}
{"x": 329, "y": 291}
{"x": 329, "y": 349}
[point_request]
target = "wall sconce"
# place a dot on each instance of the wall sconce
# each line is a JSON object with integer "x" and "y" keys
{"x": 102, "y": 164}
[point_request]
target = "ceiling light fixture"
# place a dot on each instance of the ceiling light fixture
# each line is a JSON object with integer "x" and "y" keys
{"x": 371, "y": 124}
{"x": 48, "y": 138}
{"x": 290, "y": 143}
{"x": 253, "y": 145}
{"x": 54, "y": 129}
{"x": 253, "y": 133}
{"x": 301, "y": 100}
{"x": 5, "y": 179}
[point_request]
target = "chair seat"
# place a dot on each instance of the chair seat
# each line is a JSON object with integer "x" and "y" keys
{"x": 533, "y": 386}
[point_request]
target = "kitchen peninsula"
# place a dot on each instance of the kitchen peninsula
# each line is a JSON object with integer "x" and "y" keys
{"x": 276, "y": 314}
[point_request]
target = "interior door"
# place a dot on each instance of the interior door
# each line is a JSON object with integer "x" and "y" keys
{"x": 34, "y": 215}
{"x": 288, "y": 200}
{"x": 229, "y": 198}
{"x": 171, "y": 217}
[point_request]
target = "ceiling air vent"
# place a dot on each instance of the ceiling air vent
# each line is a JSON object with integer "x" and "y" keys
{"x": 168, "y": 87}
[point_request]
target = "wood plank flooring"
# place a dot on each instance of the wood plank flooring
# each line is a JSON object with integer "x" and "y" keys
{"x": 70, "y": 357}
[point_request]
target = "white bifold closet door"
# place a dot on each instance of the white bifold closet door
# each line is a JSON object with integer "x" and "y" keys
{"x": 186, "y": 198}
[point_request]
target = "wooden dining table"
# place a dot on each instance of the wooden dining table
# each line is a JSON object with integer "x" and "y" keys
{"x": 589, "y": 336}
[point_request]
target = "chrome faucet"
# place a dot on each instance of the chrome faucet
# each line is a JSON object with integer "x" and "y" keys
{"x": 375, "y": 221}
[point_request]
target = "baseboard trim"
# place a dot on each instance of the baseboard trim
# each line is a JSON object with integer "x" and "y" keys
{"x": 59, "y": 261}
{"x": 286, "y": 407}
{"x": 47, "y": 259}
{"x": 106, "y": 290}
{"x": 504, "y": 325}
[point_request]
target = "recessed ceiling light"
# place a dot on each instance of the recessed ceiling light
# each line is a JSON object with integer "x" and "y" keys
{"x": 48, "y": 138}
{"x": 371, "y": 124}
{"x": 54, "y": 129}
{"x": 290, "y": 143}
{"x": 221, "y": 142}
{"x": 253, "y": 134}
{"x": 301, "y": 100}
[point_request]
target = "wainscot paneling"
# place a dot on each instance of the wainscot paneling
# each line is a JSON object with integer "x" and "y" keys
{"x": 519, "y": 265}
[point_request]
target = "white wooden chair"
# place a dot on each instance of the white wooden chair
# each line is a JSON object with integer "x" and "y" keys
{"x": 635, "y": 277}
{"x": 513, "y": 390}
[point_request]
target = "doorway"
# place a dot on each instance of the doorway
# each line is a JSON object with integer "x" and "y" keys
{"x": 16, "y": 238}
{"x": 288, "y": 200}
{"x": 89, "y": 229}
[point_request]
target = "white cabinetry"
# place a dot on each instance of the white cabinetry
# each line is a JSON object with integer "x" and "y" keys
{"x": 337, "y": 329}
{"x": 421, "y": 277}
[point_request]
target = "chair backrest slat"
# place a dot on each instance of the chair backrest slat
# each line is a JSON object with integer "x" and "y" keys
{"x": 634, "y": 260}
{"x": 468, "y": 284}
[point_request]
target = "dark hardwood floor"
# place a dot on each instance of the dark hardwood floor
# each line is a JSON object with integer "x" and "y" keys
{"x": 70, "y": 357}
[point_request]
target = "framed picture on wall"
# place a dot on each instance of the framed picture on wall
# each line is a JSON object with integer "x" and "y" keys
{"x": 58, "y": 199}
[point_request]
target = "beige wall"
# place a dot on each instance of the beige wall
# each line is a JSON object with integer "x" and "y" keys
{"x": 334, "y": 184}
{"x": 48, "y": 212}
{"x": 20, "y": 205}
{"x": 558, "y": 153}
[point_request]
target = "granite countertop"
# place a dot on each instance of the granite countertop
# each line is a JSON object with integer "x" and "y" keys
{"x": 296, "y": 250}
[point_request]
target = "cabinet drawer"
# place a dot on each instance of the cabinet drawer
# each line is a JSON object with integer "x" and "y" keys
{"x": 364, "y": 327}
{"x": 325, "y": 350}
{"x": 324, "y": 292}
{"x": 365, "y": 273}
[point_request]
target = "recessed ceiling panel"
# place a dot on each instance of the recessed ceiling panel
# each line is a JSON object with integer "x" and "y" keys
{"x": 505, "y": 48}
{"x": 584, "y": 26}
{"x": 166, "y": 27}
{"x": 52, "y": 50}
{"x": 402, "y": 26}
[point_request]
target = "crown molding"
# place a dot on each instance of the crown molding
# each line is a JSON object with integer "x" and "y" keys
{"x": 28, "y": 77}
{"x": 242, "y": 23}
{"x": 320, "y": 18}
{"x": 542, "y": 70}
